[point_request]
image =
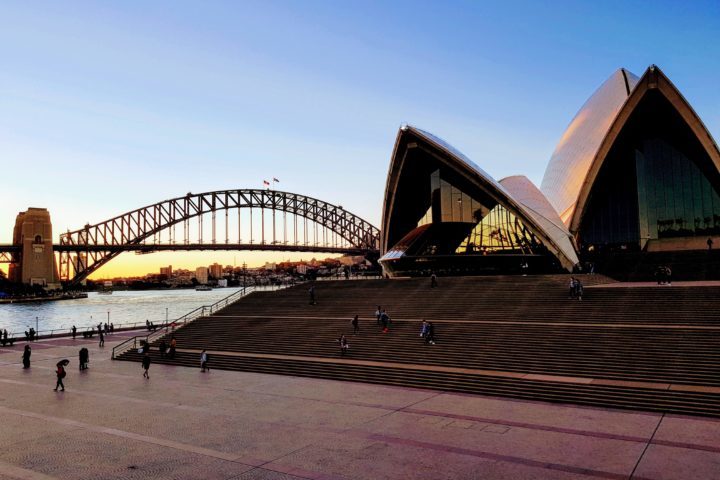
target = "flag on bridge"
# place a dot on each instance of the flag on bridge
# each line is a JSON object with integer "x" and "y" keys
{"x": 276, "y": 180}
{"x": 266, "y": 183}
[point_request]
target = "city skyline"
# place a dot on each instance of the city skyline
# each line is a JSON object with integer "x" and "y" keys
{"x": 113, "y": 113}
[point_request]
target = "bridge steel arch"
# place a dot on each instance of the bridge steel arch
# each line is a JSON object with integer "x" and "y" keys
{"x": 84, "y": 251}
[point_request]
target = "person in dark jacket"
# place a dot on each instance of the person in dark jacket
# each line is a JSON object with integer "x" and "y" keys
{"x": 430, "y": 334}
{"x": 26, "y": 357}
{"x": 74, "y": 331}
{"x": 84, "y": 357}
{"x": 60, "y": 372}
{"x": 146, "y": 365}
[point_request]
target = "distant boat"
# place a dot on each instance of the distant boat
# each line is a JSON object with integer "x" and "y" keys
{"x": 203, "y": 288}
{"x": 107, "y": 288}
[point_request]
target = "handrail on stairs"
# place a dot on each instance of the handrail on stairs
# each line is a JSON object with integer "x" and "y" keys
{"x": 199, "y": 312}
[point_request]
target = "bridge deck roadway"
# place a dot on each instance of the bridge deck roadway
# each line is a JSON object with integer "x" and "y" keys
{"x": 149, "y": 248}
{"x": 111, "y": 423}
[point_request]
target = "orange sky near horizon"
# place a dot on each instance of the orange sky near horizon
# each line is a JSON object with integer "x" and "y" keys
{"x": 130, "y": 264}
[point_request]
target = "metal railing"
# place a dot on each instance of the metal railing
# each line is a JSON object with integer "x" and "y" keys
{"x": 199, "y": 312}
{"x": 67, "y": 331}
{"x": 339, "y": 276}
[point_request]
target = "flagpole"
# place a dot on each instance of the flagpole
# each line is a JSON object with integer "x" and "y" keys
{"x": 274, "y": 181}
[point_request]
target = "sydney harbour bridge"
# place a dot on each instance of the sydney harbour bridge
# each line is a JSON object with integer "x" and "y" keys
{"x": 245, "y": 219}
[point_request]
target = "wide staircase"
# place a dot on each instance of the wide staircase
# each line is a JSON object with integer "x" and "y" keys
{"x": 649, "y": 348}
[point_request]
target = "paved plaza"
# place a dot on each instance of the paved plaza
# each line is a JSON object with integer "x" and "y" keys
{"x": 183, "y": 424}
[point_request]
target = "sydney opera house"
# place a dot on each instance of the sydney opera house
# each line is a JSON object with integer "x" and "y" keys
{"x": 635, "y": 171}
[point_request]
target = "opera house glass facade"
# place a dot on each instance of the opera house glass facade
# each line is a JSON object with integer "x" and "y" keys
{"x": 635, "y": 170}
{"x": 442, "y": 213}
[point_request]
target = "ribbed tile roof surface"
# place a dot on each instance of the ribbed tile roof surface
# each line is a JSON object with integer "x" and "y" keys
{"x": 574, "y": 154}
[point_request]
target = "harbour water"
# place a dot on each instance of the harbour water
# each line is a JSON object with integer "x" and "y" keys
{"x": 124, "y": 306}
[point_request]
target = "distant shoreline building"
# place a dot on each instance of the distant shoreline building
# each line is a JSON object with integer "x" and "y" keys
{"x": 201, "y": 275}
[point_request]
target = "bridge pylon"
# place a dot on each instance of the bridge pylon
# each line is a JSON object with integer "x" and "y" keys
{"x": 34, "y": 263}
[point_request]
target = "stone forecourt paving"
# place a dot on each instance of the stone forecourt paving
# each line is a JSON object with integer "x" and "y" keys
{"x": 183, "y": 424}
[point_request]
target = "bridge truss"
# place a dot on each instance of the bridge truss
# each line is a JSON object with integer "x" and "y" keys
{"x": 260, "y": 220}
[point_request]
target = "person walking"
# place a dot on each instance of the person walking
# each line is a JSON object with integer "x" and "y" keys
{"x": 146, "y": 365}
{"x": 204, "y": 361}
{"x": 60, "y": 372}
{"x": 378, "y": 314}
{"x": 26, "y": 357}
{"x": 102, "y": 338}
{"x": 74, "y": 331}
{"x": 433, "y": 280}
{"x": 311, "y": 291}
{"x": 355, "y": 324}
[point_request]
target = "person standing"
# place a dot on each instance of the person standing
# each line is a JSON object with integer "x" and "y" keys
{"x": 26, "y": 357}
{"x": 146, "y": 365}
{"x": 312, "y": 295}
{"x": 578, "y": 290}
{"x": 74, "y": 331}
{"x": 83, "y": 358}
{"x": 173, "y": 344}
{"x": 102, "y": 338}
{"x": 356, "y": 325}
{"x": 60, "y": 372}
{"x": 433, "y": 280}
{"x": 378, "y": 314}
{"x": 162, "y": 348}
{"x": 204, "y": 361}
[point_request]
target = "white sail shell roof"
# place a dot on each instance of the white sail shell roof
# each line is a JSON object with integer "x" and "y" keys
{"x": 574, "y": 154}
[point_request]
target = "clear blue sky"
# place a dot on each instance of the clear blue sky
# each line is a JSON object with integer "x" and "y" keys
{"x": 105, "y": 107}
